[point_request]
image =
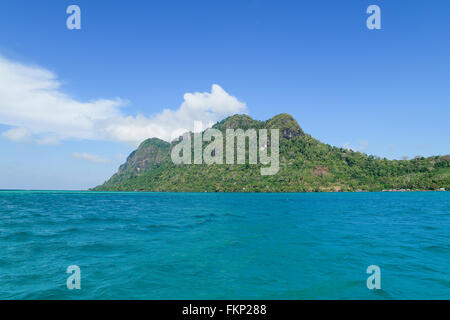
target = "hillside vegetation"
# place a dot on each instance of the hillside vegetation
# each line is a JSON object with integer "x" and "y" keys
{"x": 306, "y": 165}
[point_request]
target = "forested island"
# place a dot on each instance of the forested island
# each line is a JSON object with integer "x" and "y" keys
{"x": 306, "y": 165}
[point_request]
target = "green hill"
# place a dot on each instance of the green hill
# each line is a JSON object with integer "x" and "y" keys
{"x": 306, "y": 165}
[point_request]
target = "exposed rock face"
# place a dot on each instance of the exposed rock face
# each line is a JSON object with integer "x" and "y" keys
{"x": 151, "y": 151}
{"x": 320, "y": 170}
{"x": 289, "y": 128}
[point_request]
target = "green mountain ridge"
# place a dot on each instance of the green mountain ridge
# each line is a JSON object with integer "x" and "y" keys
{"x": 306, "y": 165}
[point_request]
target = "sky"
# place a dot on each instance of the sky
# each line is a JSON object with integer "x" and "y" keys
{"x": 75, "y": 103}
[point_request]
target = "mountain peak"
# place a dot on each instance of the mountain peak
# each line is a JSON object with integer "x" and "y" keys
{"x": 284, "y": 122}
{"x": 287, "y": 124}
{"x": 153, "y": 142}
{"x": 238, "y": 121}
{"x": 150, "y": 151}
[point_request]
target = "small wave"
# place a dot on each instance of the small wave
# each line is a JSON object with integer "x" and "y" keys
{"x": 439, "y": 249}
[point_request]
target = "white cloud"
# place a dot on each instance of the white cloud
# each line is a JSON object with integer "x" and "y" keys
{"x": 362, "y": 147}
{"x": 47, "y": 140}
{"x": 24, "y": 135}
{"x": 18, "y": 135}
{"x": 31, "y": 100}
{"x": 90, "y": 157}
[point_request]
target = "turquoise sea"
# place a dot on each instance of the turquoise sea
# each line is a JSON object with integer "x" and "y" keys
{"x": 224, "y": 246}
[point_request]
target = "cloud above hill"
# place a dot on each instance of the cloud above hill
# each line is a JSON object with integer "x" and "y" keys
{"x": 90, "y": 157}
{"x": 34, "y": 104}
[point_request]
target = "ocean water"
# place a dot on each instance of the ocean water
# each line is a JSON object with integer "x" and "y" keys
{"x": 224, "y": 246}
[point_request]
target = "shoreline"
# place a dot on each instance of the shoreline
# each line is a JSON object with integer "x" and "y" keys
{"x": 202, "y": 192}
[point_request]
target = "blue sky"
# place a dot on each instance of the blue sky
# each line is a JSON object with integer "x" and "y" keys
{"x": 385, "y": 92}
